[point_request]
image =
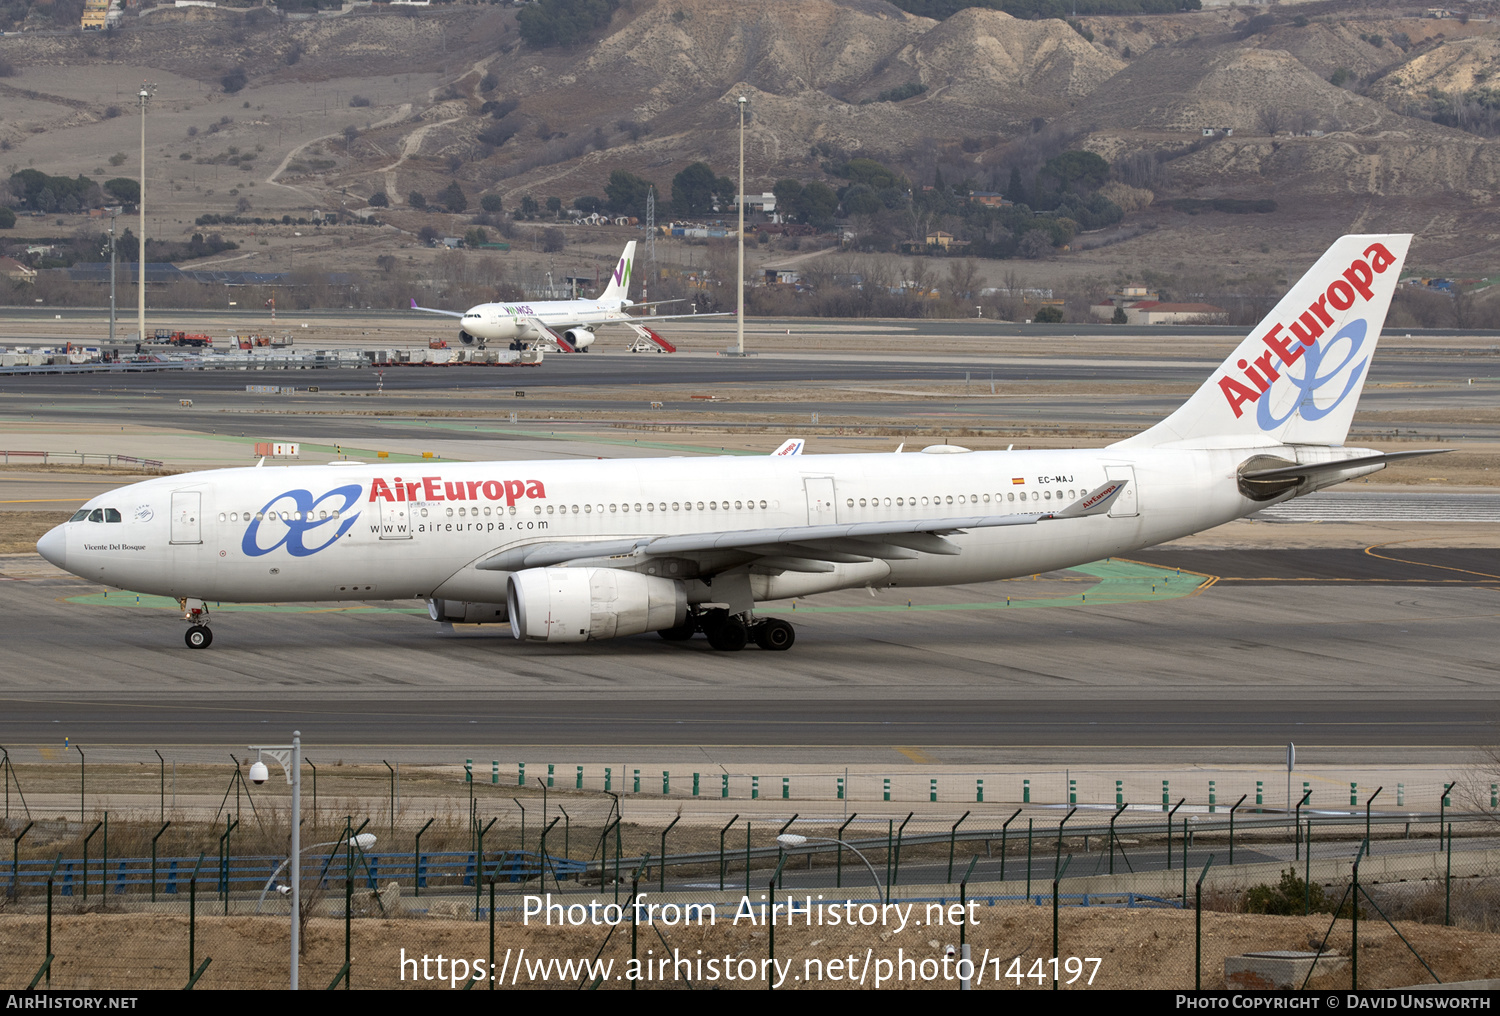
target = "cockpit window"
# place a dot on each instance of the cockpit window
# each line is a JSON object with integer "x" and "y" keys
{"x": 111, "y": 515}
{"x": 80, "y": 515}
{"x": 97, "y": 515}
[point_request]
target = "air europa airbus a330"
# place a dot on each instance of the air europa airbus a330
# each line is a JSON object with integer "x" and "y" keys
{"x": 572, "y": 551}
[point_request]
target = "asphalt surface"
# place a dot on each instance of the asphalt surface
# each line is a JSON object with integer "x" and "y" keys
{"x": 1372, "y": 651}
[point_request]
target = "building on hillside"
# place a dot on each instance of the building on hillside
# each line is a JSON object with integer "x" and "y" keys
{"x": 16, "y": 271}
{"x": 1155, "y": 312}
{"x": 989, "y": 199}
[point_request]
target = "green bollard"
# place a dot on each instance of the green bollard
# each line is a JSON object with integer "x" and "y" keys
{"x": 1072, "y": 791}
{"x": 666, "y": 782}
{"x": 1353, "y": 794}
{"x": 1166, "y": 795}
{"x": 1119, "y": 792}
{"x": 1306, "y": 789}
{"x": 695, "y": 784}
{"x": 521, "y": 774}
{"x": 468, "y": 770}
{"x": 1400, "y": 795}
{"x": 724, "y": 786}
{"x": 1212, "y": 798}
{"x": 786, "y": 788}
{"x": 637, "y": 781}
{"x": 1025, "y": 791}
{"x": 608, "y": 773}
{"x": 578, "y": 783}
{"x": 932, "y": 789}
{"x": 549, "y": 775}
{"x": 1260, "y": 792}
{"x": 979, "y": 791}
{"x": 1495, "y": 795}
{"x": 755, "y": 788}
{"x": 887, "y": 788}
{"x": 841, "y": 788}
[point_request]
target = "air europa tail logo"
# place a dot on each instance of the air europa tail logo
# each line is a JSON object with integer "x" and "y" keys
{"x": 1282, "y": 351}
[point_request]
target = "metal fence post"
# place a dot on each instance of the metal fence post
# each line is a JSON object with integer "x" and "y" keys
{"x": 1056, "y": 881}
{"x": 417, "y": 875}
{"x": 153, "y": 858}
{"x": 1231, "y": 826}
{"x": 1198, "y": 923}
{"x": 1169, "y": 835}
{"x": 1448, "y": 883}
{"x": 838, "y": 876}
{"x": 722, "y": 863}
{"x": 1354, "y": 930}
{"x": 662, "y": 886}
{"x": 1003, "y": 829}
{"x": 952, "y": 836}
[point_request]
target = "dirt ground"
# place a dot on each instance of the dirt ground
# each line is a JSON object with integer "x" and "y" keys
{"x": 1137, "y": 948}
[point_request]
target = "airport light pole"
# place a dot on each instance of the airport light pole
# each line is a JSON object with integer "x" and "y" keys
{"x": 789, "y": 840}
{"x": 290, "y": 758}
{"x": 114, "y": 214}
{"x": 739, "y": 282}
{"x": 140, "y": 283}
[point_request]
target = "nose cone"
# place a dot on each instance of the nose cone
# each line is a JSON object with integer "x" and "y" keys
{"x": 54, "y": 546}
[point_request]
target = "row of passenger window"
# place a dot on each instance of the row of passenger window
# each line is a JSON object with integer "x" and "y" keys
{"x": 623, "y": 508}
{"x": 946, "y": 499}
{"x": 96, "y": 515}
{"x": 273, "y": 516}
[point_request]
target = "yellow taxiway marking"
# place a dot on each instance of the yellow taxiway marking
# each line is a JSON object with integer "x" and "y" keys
{"x": 1422, "y": 564}
{"x": 917, "y": 755}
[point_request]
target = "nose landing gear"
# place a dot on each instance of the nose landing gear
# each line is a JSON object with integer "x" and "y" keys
{"x": 195, "y": 613}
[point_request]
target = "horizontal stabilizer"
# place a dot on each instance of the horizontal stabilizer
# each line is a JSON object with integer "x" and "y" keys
{"x": 1314, "y": 468}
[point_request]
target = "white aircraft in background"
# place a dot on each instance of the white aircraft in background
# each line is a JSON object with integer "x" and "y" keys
{"x": 570, "y": 551}
{"x": 561, "y": 325}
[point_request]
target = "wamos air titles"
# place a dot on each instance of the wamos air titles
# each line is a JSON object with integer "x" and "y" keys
{"x": 562, "y": 325}
{"x": 569, "y": 551}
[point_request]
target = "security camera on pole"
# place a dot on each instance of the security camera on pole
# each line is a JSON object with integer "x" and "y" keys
{"x": 290, "y": 757}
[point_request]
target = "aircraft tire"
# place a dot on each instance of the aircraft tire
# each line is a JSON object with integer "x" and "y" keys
{"x": 199, "y": 637}
{"x": 775, "y": 634}
{"x": 726, "y": 634}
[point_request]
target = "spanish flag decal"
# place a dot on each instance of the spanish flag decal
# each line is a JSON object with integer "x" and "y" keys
{"x": 1017, "y": 480}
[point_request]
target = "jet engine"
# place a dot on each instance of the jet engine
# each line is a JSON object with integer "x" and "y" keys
{"x": 584, "y": 604}
{"x": 579, "y": 338}
{"x": 466, "y": 338}
{"x": 461, "y": 612}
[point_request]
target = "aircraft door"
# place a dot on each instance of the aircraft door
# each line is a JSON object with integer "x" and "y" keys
{"x": 822, "y": 506}
{"x": 187, "y": 514}
{"x": 395, "y": 519}
{"x": 1127, "y": 505}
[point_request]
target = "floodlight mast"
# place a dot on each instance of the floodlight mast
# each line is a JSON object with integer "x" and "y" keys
{"x": 140, "y": 283}
{"x": 290, "y": 759}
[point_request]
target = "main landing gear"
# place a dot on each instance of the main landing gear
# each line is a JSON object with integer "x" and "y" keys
{"x": 195, "y": 613}
{"x": 730, "y": 633}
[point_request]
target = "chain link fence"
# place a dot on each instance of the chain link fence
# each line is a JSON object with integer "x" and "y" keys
{"x": 419, "y": 877}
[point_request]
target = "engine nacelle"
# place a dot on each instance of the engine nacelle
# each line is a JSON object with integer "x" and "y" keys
{"x": 584, "y": 604}
{"x": 468, "y": 339}
{"x": 461, "y": 612}
{"x": 579, "y": 338}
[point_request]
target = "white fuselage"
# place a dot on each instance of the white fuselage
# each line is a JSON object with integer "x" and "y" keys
{"x": 360, "y": 532}
{"x": 506, "y": 322}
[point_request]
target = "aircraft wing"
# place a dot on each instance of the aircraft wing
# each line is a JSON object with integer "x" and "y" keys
{"x": 434, "y": 310}
{"x": 792, "y": 548}
{"x": 679, "y": 317}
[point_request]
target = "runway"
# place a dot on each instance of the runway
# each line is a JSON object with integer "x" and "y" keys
{"x": 1238, "y": 648}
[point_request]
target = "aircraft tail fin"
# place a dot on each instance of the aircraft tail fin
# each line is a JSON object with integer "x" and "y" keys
{"x": 618, "y": 290}
{"x": 1296, "y": 378}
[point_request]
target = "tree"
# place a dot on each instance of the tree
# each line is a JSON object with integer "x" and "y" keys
{"x": 563, "y": 22}
{"x": 1036, "y": 243}
{"x": 626, "y": 193}
{"x": 695, "y": 188}
{"x": 529, "y": 207}
{"x": 416, "y": 199}
{"x": 124, "y": 190}
{"x": 453, "y": 198}
{"x": 379, "y": 200}
{"x": 587, "y": 204}
{"x": 554, "y": 205}
{"x": 819, "y": 204}
{"x": 553, "y": 239}
{"x": 1270, "y": 119}
{"x": 1048, "y": 315}
{"x": 427, "y": 234}
{"x": 234, "y": 80}
{"x": 491, "y": 203}
{"x": 1119, "y": 316}
{"x": 7, "y": 219}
